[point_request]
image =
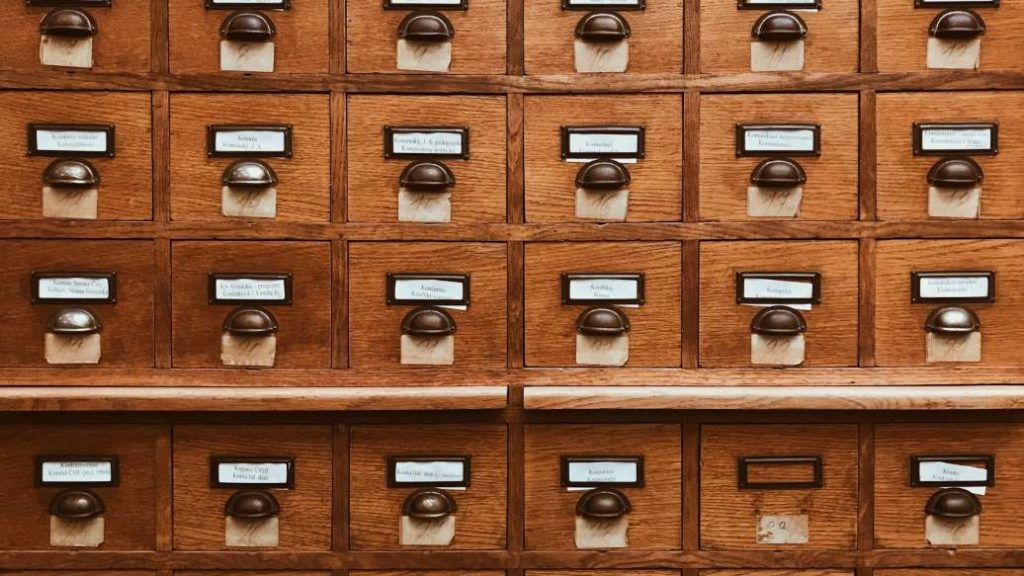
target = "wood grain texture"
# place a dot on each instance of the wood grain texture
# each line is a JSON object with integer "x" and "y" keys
{"x": 304, "y": 334}
{"x": 376, "y": 509}
{"x": 130, "y": 514}
{"x": 300, "y": 45}
{"x": 426, "y": 573}
{"x": 655, "y": 45}
{"x": 780, "y": 572}
{"x": 600, "y": 572}
{"x": 965, "y": 572}
{"x": 303, "y": 190}
{"x": 900, "y": 515}
{"x": 374, "y": 326}
{"x": 125, "y": 189}
{"x": 655, "y": 189}
{"x": 831, "y": 337}
{"x": 126, "y": 327}
{"x": 654, "y": 522}
{"x": 480, "y": 181}
{"x": 478, "y": 46}
{"x": 728, "y": 515}
{"x": 899, "y": 325}
{"x": 654, "y": 335}
{"x": 305, "y": 517}
{"x": 831, "y": 189}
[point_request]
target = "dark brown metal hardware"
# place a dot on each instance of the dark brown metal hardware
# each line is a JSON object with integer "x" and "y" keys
{"x": 68, "y": 22}
{"x": 957, "y": 24}
{"x": 249, "y": 174}
{"x": 569, "y": 277}
{"x": 607, "y": 5}
{"x": 953, "y": 503}
{"x": 603, "y": 504}
{"x": 250, "y": 322}
{"x": 779, "y": 149}
{"x": 778, "y": 321}
{"x": 921, "y": 128}
{"x": 76, "y": 505}
{"x": 602, "y": 321}
{"x": 214, "y": 277}
{"x": 73, "y": 322}
{"x": 779, "y": 26}
{"x": 69, "y": 173}
{"x": 986, "y": 460}
{"x": 743, "y": 472}
{"x": 252, "y": 505}
{"x": 778, "y": 173}
{"x": 602, "y": 174}
{"x": 413, "y": 5}
{"x": 426, "y": 27}
{"x": 263, "y": 5}
{"x": 429, "y": 504}
{"x": 637, "y": 132}
{"x": 428, "y": 321}
{"x": 602, "y": 27}
{"x": 952, "y": 320}
{"x": 248, "y": 26}
{"x": 426, "y": 176}
{"x": 213, "y": 129}
{"x": 393, "y": 278}
{"x": 955, "y": 173}
{"x": 392, "y": 133}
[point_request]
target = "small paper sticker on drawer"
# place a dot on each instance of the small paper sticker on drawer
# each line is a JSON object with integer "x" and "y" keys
{"x": 63, "y": 139}
{"x": 937, "y": 472}
{"x": 783, "y": 529}
{"x": 250, "y": 288}
{"x": 436, "y": 471}
{"x": 66, "y": 288}
{"x": 966, "y": 138}
{"x": 76, "y": 471}
{"x": 244, "y": 472}
{"x": 777, "y": 139}
{"x": 624, "y": 144}
{"x": 583, "y": 472}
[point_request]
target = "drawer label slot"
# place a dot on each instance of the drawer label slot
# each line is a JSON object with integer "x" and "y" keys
{"x": 439, "y": 289}
{"x": 265, "y": 4}
{"x": 265, "y": 289}
{"x": 69, "y": 3}
{"x": 778, "y": 4}
{"x": 754, "y": 472}
{"x": 73, "y": 470}
{"x": 412, "y": 143}
{"x": 778, "y": 288}
{"x": 603, "y": 288}
{"x": 607, "y": 4}
{"x": 585, "y": 143}
{"x": 244, "y": 472}
{"x": 73, "y": 288}
{"x": 435, "y": 471}
{"x": 952, "y": 287}
{"x": 435, "y": 4}
{"x": 953, "y": 470}
{"x": 977, "y": 138}
{"x": 778, "y": 139}
{"x": 58, "y": 140}
{"x": 591, "y": 471}
{"x": 956, "y": 3}
{"x": 249, "y": 141}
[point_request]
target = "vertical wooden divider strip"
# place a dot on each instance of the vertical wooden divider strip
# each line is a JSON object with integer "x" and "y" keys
{"x": 690, "y": 306}
{"x": 691, "y": 36}
{"x": 339, "y": 157}
{"x": 516, "y": 44}
{"x": 866, "y": 488}
{"x": 691, "y": 213}
{"x": 161, "y": 144}
{"x": 516, "y": 518}
{"x": 866, "y": 309}
{"x": 164, "y": 480}
{"x": 339, "y": 214}
{"x": 867, "y": 186}
{"x": 337, "y": 42}
{"x": 868, "y": 211}
{"x": 868, "y": 36}
{"x": 340, "y": 475}
{"x": 159, "y": 54}
{"x": 339, "y": 304}
{"x": 515, "y": 214}
{"x": 691, "y": 486}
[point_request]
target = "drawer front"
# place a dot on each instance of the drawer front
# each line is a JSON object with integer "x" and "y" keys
{"x": 477, "y": 43}
{"x": 552, "y": 327}
{"x": 901, "y": 334}
{"x": 123, "y": 182}
{"x": 121, "y": 42}
{"x": 36, "y": 331}
{"x": 303, "y": 336}
{"x": 287, "y": 465}
{"x": 655, "y": 40}
{"x": 830, "y": 335}
{"x": 903, "y": 176}
{"x": 377, "y": 190}
{"x": 654, "y": 181}
{"x": 475, "y": 502}
{"x": 902, "y": 516}
{"x": 302, "y": 191}
{"x": 653, "y": 517}
{"x": 829, "y": 188}
{"x": 378, "y": 330}
{"x": 778, "y": 486}
{"x": 128, "y": 509}
{"x": 300, "y": 39}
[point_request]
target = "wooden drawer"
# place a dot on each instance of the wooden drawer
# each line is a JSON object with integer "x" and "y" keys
{"x": 939, "y": 572}
{"x": 300, "y": 39}
{"x": 778, "y": 486}
{"x": 385, "y": 463}
{"x": 303, "y": 188}
{"x": 477, "y": 165}
{"x": 303, "y": 327}
{"x": 121, "y": 42}
{"x": 654, "y": 326}
{"x": 725, "y": 324}
{"x": 64, "y": 268}
{"x": 655, "y": 179}
{"x": 901, "y": 337}
{"x": 601, "y": 572}
{"x": 655, "y": 40}
{"x": 942, "y": 454}
{"x": 125, "y": 187}
{"x": 477, "y": 44}
{"x": 647, "y": 454}
{"x": 376, "y": 327}
{"x": 220, "y": 467}
{"x": 428, "y": 573}
{"x": 784, "y": 572}
{"x": 727, "y": 187}
{"x": 904, "y": 175}
{"x": 126, "y": 489}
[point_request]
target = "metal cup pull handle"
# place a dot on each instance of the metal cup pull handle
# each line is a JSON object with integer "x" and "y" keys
{"x": 248, "y": 26}
{"x": 73, "y": 322}
{"x": 778, "y": 173}
{"x": 602, "y": 321}
{"x": 602, "y": 174}
{"x": 249, "y": 174}
{"x": 955, "y": 173}
{"x": 953, "y": 503}
{"x": 779, "y": 26}
{"x": 429, "y": 504}
{"x": 603, "y": 504}
{"x": 250, "y": 322}
{"x": 428, "y": 321}
{"x": 426, "y": 176}
{"x": 957, "y": 24}
{"x": 426, "y": 27}
{"x": 71, "y": 173}
{"x": 952, "y": 320}
{"x": 602, "y": 27}
{"x": 778, "y": 321}
{"x": 76, "y": 505}
{"x": 252, "y": 505}
{"x": 69, "y": 23}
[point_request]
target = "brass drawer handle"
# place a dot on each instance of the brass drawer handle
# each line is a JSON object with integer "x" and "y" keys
{"x": 73, "y": 322}
{"x": 779, "y": 26}
{"x": 778, "y": 321}
{"x": 953, "y": 503}
{"x": 252, "y": 505}
{"x": 429, "y": 504}
{"x": 603, "y": 503}
{"x": 68, "y": 22}
{"x": 602, "y": 27}
{"x": 426, "y": 27}
{"x": 778, "y": 173}
{"x": 602, "y": 174}
{"x": 428, "y": 321}
{"x": 250, "y": 322}
{"x": 952, "y": 320}
{"x": 957, "y": 24}
{"x": 249, "y": 174}
{"x": 76, "y": 505}
{"x": 955, "y": 173}
{"x": 248, "y": 26}
{"x": 69, "y": 173}
{"x": 426, "y": 176}
{"x": 602, "y": 321}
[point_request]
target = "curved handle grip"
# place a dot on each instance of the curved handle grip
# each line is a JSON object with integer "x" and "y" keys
{"x": 252, "y": 505}
{"x": 73, "y": 322}
{"x": 76, "y": 505}
{"x": 248, "y": 26}
{"x": 429, "y": 504}
{"x": 602, "y": 174}
{"x": 957, "y": 24}
{"x": 955, "y": 173}
{"x": 71, "y": 173}
{"x": 778, "y": 173}
{"x": 953, "y": 503}
{"x": 952, "y": 320}
{"x": 778, "y": 321}
{"x": 68, "y": 22}
{"x": 426, "y": 176}
{"x": 603, "y": 503}
{"x": 426, "y": 27}
{"x": 602, "y": 321}
{"x": 249, "y": 174}
{"x": 250, "y": 322}
{"x": 779, "y": 26}
{"x": 602, "y": 27}
{"x": 428, "y": 321}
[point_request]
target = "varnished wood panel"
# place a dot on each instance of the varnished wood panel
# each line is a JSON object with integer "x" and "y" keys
{"x": 305, "y": 517}
{"x": 426, "y": 573}
{"x": 655, "y": 188}
{"x": 303, "y": 189}
{"x": 729, "y": 515}
{"x": 780, "y": 572}
{"x": 831, "y": 336}
{"x": 479, "y": 191}
{"x": 831, "y": 189}
{"x": 600, "y": 572}
{"x": 376, "y": 509}
{"x": 934, "y": 572}
{"x": 654, "y": 335}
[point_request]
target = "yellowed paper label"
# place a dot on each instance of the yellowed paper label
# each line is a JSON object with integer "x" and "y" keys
{"x": 601, "y": 56}
{"x": 602, "y": 350}
{"x": 946, "y": 348}
{"x": 424, "y": 206}
{"x": 67, "y": 349}
{"x": 85, "y": 533}
{"x": 424, "y": 56}
{"x": 776, "y": 350}
{"x": 594, "y": 534}
{"x": 774, "y": 202}
{"x": 65, "y": 52}
{"x": 249, "y": 203}
{"x": 783, "y": 529}
{"x": 776, "y": 56}
{"x": 71, "y": 203}
{"x": 246, "y": 56}
{"x": 954, "y": 54}
{"x": 416, "y": 532}
{"x": 940, "y": 531}
{"x": 246, "y": 533}
{"x": 604, "y": 205}
{"x": 954, "y": 202}
{"x": 428, "y": 350}
{"x": 255, "y": 351}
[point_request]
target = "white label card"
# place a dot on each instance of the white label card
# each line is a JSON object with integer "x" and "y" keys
{"x": 259, "y": 289}
{"x": 429, "y": 471}
{"x": 943, "y": 287}
{"x": 767, "y": 288}
{"x": 238, "y": 2}
{"x": 428, "y": 290}
{"x": 599, "y": 144}
{"x": 94, "y": 141}
{"x": 250, "y": 141}
{"x": 603, "y": 289}
{"x": 613, "y": 3}
{"x": 425, "y": 2}
{"x": 84, "y": 472}
{"x": 71, "y": 288}
{"x": 427, "y": 143}
{"x": 603, "y": 472}
{"x": 252, "y": 473}
{"x": 953, "y": 474}
{"x": 776, "y": 140}
{"x": 810, "y": 3}
{"x": 956, "y": 139}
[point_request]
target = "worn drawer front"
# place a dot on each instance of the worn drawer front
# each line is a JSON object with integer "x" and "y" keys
{"x": 427, "y": 573}
{"x": 121, "y": 42}
{"x": 938, "y": 572}
{"x": 378, "y": 178}
{"x": 726, "y": 326}
{"x": 600, "y": 572}
{"x": 289, "y": 136}
{"x": 300, "y": 39}
{"x": 646, "y": 472}
{"x": 111, "y": 282}
{"x": 906, "y": 175}
{"x": 476, "y": 34}
{"x": 115, "y": 464}
{"x": 655, "y": 34}
{"x": 912, "y": 513}
{"x": 740, "y": 184}
{"x": 299, "y": 272}
{"x": 379, "y": 329}
{"x": 218, "y": 469}
{"x": 755, "y": 572}
{"x": 123, "y": 166}
{"x": 778, "y": 486}
{"x": 654, "y": 179}
{"x": 900, "y": 324}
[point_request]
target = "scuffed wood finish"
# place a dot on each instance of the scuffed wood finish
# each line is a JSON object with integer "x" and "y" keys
{"x": 655, "y": 189}
{"x": 479, "y": 191}
{"x": 376, "y": 509}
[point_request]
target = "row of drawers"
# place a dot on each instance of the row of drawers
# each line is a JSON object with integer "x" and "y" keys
{"x": 406, "y": 299}
{"x": 762, "y": 486}
{"x": 639, "y": 37}
{"x": 444, "y": 158}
